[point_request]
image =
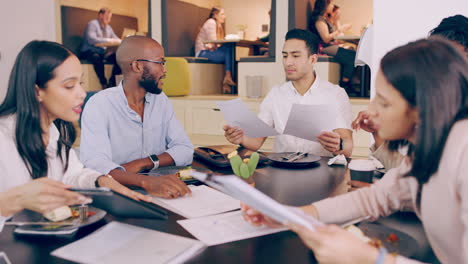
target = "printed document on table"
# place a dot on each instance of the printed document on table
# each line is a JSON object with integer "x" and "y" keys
{"x": 203, "y": 201}
{"x": 122, "y": 243}
{"x": 238, "y": 188}
{"x": 308, "y": 121}
{"x": 224, "y": 228}
{"x": 236, "y": 113}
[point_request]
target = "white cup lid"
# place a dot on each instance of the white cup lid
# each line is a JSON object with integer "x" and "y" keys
{"x": 361, "y": 165}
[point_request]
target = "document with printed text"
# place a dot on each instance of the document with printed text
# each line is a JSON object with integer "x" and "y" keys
{"x": 224, "y": 228}
{"x": 203, "y": 201}
{"x": 122, "y": 243}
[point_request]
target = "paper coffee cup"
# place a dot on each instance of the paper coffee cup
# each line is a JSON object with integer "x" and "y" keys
{"x": 362, "y": 170}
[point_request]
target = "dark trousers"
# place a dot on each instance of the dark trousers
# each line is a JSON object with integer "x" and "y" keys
{"x": 345, "y": 57}
{"x": 98, "y": 61}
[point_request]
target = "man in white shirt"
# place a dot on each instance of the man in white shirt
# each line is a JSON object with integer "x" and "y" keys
{"x": 303, "y": 87}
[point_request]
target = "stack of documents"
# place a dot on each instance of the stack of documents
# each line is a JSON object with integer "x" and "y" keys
{"x": 203, "y": 201}
{"x": 122, "y": 243}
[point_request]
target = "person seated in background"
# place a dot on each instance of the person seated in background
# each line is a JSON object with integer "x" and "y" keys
{"x": 421, "y": 97}
{"x": 324, "y": 29}
{"x": 98, "y": 31}
{"x": 303, "y": 87}
{"x": 453, "y": 28}
{"x": 213, "y": 29}
{"x": 132, "y": 127}
{"x": 44, "y": 97}
{"x": 264, "y": 50}
{"x": 333, "y": 18}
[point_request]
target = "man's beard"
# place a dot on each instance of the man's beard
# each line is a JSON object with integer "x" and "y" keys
{"x": 149, "y": 83}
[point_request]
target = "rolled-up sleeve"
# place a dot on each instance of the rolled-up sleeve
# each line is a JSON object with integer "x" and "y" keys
{"x": 388, "y": 195}
{"x": 178, "y": 144}
{"x": 95, "y": 146}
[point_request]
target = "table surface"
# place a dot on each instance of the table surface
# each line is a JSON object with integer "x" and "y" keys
{"x": 108, "y": 44}
{"x": 288, "y": 186}
{"x": 238, "y": 42}
{"x": 348, "y": 37}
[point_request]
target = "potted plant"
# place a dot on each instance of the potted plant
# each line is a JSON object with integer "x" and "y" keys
{"x": 244, "y": 168}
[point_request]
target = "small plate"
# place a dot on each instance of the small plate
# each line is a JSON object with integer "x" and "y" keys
{"x": 404, "y": 245}
{"x": 59, "y": 229}
{"x": 173, "y": 170}
{"x": 278, "y": 159}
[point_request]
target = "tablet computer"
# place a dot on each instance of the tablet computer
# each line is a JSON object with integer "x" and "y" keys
{"x": 123, "y": 206}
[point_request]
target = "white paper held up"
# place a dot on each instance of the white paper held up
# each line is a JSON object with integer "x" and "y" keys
{"x": 122, "y": 243}
{"x": 236, "y": 113}
{"x": 308, "y": 121}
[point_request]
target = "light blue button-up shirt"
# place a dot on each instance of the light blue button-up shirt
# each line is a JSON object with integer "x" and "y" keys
{"x": 113, "y": 134}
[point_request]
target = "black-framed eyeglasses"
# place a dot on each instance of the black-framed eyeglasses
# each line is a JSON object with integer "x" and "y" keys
{"x": 161, "y": 62}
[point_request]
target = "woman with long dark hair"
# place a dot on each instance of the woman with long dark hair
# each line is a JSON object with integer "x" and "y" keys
{"x": 44, "y": 97}
{"x": 213, "y": 29}
{"x": 327, "y": 33}
{"x": 421, "y": 97}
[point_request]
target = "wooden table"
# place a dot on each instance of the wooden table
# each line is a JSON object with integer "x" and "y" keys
{"x": 107, "y": 44}
{"x": 288, "y": 186}
{"x": 349, "y": 38}
{"x": 253, "y": 45}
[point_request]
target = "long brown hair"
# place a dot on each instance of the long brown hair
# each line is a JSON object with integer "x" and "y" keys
{"x": 432, "y": 75}
{"x": 219, "y": 27}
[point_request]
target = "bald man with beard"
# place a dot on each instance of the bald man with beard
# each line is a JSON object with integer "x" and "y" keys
{"x": 132, "y": 127}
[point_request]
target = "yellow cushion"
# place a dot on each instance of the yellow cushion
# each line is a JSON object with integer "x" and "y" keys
{"x": 177, "y": 81}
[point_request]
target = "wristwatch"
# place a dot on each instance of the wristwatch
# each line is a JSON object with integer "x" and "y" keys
{"x": 155, "y": 161}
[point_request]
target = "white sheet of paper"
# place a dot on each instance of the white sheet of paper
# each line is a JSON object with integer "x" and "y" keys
{"x": 204, "y": 201}
{"x": 237, "y": 188}
{"x": 224, "y": 228}
{"x": 236, "y": 113}
{"x": 122, "y": 243}
{"x": 308, "y": 121}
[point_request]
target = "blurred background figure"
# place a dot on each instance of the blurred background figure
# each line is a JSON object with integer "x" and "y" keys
{"x": 98, "y": 31}
{"x": 455, "y": 29}
{"x": 333, "y": 17}
{"x": 327, "y": 33}
{"x": 213, "y": 29}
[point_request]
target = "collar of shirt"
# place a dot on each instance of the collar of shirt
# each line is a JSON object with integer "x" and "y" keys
{"x": 124, "y": 101}
{"x": 54, "y": 135}
{"x": 313, "y": 88}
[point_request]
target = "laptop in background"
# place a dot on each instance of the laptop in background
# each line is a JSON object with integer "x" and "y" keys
{"x": 128, "y": 32}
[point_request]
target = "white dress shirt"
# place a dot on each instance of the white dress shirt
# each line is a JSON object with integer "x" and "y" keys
{"x": 14, "y": 171}
{"x": 276, "y": 106}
